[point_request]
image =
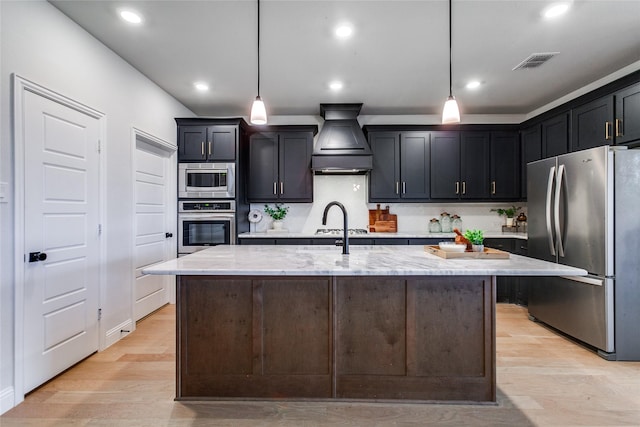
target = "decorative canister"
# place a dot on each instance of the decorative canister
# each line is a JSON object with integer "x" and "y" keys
{"x": 434, "y": 226}
{"x": 456, "y": 222}
{"x": 445, "y": 222}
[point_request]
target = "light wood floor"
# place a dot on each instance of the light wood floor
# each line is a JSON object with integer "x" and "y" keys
{"x": 543, "y": 380}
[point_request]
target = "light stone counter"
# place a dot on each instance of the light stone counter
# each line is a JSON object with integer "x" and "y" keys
{"x": 413, "y": 235}
{"x": 256, "y": 260}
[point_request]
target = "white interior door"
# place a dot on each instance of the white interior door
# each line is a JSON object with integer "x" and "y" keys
{"x": 154, "y": 232}
{"x": 61, "y": 231}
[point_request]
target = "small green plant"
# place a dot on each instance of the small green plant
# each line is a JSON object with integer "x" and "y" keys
{"x": 476, "y": 237}
{"x": 278, "y": 213}
{"x": 508, "y": 212}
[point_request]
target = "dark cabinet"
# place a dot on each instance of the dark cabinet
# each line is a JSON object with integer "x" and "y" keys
{"x": 478, "y": 165}
{"x": 200, "y": 143}
{"x": 555, "y": 135}
{"x": 510, "y": 289}
{"x": 445, "y": 165}
{"x": 531, "y": 139}
{"x": 627, "y": 120}
{"x": 400, "y": 166}
{"x": 280, "y": 166}
{"x": 592, "y": 124}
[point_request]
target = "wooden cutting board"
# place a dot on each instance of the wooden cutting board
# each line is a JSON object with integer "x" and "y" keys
{"x": 489, "y": 253}
{"x": 381, "y": 221}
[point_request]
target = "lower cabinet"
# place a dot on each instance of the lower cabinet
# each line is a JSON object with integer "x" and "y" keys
{"x": 510, "y": 289}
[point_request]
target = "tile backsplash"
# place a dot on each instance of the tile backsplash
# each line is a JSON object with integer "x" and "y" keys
{"x": 352, "y": 191}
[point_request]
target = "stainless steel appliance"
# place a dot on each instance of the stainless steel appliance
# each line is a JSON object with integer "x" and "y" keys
{"x": 584, "y": 211}
{"x": 204, "y": 223}
{"x": 206, "y": 180}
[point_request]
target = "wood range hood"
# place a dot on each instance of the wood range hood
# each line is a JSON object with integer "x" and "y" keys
{"x": 341, "y": 147}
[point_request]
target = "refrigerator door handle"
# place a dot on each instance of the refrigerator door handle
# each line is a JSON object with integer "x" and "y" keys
{"x": 547, "y": 208}
{"x": 556, "y": 210}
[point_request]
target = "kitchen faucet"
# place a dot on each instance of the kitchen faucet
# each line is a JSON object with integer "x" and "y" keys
{"x": 345, "y": 241}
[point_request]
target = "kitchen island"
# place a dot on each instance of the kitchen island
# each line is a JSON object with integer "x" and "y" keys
{"x": 384, "y": 322}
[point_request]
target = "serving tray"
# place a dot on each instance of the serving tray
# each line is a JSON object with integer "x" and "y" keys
{"x": 488, "y": 253}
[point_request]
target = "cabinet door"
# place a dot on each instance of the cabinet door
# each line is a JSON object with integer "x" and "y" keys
{"x": 296, "y": 178}
{"x": 263, "y": 168}
{"x": 221, "y": 144}
{"x": 555, "y": 135}
{"x": 414, "y": 165}
{"x": 592, "y": 124}
{"x": 445, "y": 165}
{"x": 531, "y": 151}
{"x": 474, "y": 165}
{"x": 627, "y": 124}
{"x": 505, "y": 166}
{"x": 384, "y": 178}
{"x": 192, "y": 143}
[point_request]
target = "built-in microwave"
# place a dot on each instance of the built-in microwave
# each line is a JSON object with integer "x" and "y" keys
{"x": 206, "y": 180}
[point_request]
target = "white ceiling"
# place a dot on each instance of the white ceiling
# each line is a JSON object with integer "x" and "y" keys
{"x": 396, "y": 63}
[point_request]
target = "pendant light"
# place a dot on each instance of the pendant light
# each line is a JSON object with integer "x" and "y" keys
{"x": 258, "y": 112}
{"x": 450, "y": 113}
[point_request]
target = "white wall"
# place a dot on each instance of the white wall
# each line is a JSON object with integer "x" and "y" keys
{"x": 41, "y": 44}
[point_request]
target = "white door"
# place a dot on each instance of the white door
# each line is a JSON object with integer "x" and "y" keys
{"x": 61, "y": 231}
{"x": 153, "y": 234}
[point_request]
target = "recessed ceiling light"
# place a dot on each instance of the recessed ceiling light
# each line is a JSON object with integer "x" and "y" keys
{"x": 344, "y": 31}
{"x": 202, "y": 87}
{"x": 335, "y": 85}
{"x": 130, "y": 16}
{"x": 473, "y": 84}
{"x": 555, "y": 10}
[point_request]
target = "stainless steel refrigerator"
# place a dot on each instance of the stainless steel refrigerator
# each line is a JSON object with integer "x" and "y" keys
{"x": 584, "y": 211}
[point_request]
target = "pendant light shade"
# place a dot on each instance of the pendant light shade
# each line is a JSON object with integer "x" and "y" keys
{"x": 450, "y": 112}
{"x": 258, "y": 111}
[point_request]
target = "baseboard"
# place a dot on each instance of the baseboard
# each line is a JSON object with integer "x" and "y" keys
{"x": 118, "y": 332}
{"x": 7, "y": 399}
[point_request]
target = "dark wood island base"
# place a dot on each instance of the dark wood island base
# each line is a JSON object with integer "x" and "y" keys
{"x": 415, "y": 338}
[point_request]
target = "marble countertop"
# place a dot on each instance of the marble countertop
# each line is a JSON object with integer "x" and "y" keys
{"x": 410, "y": 260}
{"x": 413, "y": 235}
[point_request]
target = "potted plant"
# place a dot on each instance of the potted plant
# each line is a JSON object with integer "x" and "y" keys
{"x": 509, "y": 213}
{"x": 277, "y": 213}
{"x": 476, "y": 237}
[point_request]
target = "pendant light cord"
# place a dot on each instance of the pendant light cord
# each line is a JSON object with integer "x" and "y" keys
{"x": 450, "y": 48}
{"x": 258, "y": 48}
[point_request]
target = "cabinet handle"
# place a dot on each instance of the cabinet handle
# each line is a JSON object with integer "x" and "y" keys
{"x": 618, "y": 123}
{"x": 281, "y": 187}
{"x": 404, "y": 187}
{"x": 493, "y": 187}
{"x": 397, "y": 187}
{"x": 209, "y": 147}
{"x": 464, "y": 187}
{"x": 457, "y": 187}
{"x": 607, "y": 135}
{"x": 202, "y": 148}
{"x": 275, "y": 188}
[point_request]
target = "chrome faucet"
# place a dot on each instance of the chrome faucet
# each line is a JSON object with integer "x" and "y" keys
{"x": 345, "y": 240}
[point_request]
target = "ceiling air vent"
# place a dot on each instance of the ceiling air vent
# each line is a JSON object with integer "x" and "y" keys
{"x": 535, "y": 60}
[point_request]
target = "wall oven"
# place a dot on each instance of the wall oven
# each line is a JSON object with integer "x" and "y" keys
{"x": 205, "y": 223}
{"x": 206, "y": 180}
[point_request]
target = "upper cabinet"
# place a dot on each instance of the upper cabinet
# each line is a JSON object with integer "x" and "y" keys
{"x": 475, "y": 165}
{"x": 214, "y": 143}
{"x": 555, "y": 135}
{"x": 400, "y": 166}
{"x": 531, "y": 138}
{"x": 612, "y": 119}
{"x": 279, "y": 167}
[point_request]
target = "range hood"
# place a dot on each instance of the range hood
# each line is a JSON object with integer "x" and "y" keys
{"x": 341, "y": 147}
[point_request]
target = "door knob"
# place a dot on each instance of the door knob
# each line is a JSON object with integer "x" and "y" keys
{"x": 168, "y": 235}
{"x": 37, "y": 256}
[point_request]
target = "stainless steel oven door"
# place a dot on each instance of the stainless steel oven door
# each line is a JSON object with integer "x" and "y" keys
{"x": 200, "y": 231}
{"x": 206, "y": 180}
